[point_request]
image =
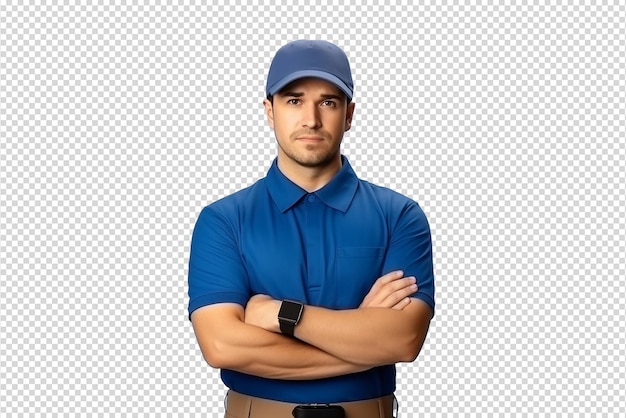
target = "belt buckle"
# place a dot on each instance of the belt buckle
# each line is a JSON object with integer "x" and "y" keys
{"x": 318, "y": 410}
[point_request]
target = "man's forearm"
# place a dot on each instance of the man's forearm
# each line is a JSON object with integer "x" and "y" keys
{"x": 278, "y": 357}
{"x": 249, "y": 349}
{"x": 367, "y": 336}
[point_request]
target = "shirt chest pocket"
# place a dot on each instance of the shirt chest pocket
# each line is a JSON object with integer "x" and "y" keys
{"x": 357, "y": 268}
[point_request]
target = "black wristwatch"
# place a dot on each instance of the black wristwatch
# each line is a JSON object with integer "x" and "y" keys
{"x": 289, "y": 316}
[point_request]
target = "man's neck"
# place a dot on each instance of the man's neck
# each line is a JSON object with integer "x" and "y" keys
{"x": 309, "y": 178}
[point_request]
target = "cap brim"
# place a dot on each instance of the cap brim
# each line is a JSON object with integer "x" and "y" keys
{"x": 276, "y": 87}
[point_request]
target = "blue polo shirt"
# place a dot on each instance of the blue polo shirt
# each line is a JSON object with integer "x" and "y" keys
{"x": 325, "y": 248}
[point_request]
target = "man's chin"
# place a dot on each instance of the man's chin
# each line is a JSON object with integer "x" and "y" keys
{"x": 317, "y": 161}
{"x": 312, "y": 155}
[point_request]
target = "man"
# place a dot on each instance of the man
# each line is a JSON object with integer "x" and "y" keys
{"x": 307, "y": 287}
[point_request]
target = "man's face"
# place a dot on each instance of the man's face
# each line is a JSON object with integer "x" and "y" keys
{"x": 309, "y": 117}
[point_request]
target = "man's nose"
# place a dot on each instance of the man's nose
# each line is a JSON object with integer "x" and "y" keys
{"x": 311, "y": 116}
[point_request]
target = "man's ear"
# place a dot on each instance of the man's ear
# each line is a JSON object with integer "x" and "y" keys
{"x": 269, "y": 112}
{"x": 349, "y": 114}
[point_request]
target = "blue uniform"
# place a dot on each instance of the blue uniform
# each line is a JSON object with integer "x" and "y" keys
{"x": 325, "y": 248}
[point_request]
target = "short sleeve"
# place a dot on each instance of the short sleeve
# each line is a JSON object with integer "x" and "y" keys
{"x": 216, "y": 270}
{"x": 410, "y": 250}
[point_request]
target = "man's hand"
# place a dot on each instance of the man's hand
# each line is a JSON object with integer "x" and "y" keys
{"x": 262, "y": 311}
{"x": 390, "y": 291}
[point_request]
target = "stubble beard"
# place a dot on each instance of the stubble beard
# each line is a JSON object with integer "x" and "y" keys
{"x": 312, "y": 158}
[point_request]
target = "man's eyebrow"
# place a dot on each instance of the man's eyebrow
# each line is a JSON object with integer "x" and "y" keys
{"x": 292, "y": 94}
{"x": 300, "y": 94}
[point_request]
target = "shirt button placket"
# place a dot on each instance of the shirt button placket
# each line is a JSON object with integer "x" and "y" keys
{"x": 315, "y": 251}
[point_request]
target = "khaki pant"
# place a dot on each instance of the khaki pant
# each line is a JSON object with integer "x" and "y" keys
{"x": 244, "y": 406}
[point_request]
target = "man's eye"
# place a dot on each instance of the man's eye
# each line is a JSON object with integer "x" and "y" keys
{"x": 328, "y": 103}
{"x": 293, "y": 101}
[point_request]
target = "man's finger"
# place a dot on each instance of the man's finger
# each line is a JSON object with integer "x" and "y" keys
{"x": 401, "y": 293}
{"x": 394, "y": 275}
{"x": 389, "y": 277}
{"x": 402, "y": 304}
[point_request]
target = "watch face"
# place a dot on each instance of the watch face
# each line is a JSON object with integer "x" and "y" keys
{"x": 290, "y": 310}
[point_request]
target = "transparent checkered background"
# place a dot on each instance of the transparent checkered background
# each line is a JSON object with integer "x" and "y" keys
{"x": 505, "y": 120}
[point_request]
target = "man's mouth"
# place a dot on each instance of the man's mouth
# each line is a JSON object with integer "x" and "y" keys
{"x": 310, "y": 138}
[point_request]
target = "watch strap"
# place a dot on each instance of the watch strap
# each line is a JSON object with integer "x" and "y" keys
{"x": 287, "y": 327}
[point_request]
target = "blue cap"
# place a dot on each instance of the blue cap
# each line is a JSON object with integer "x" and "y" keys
{"x": 307, "y": 58}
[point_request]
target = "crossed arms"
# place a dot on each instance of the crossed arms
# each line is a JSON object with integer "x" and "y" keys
{"x": 387, "y": 327}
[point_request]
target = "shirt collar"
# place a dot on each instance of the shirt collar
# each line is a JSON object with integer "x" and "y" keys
{"x": 337, "y": 194}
